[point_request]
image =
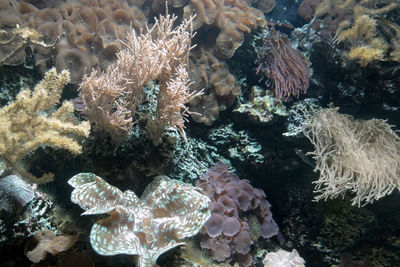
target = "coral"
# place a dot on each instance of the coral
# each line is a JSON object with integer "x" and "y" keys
{"x": 354, "y": 155}
{"x": 112, "y": 98}
{"x": 366, "y": 28}
{"x": 13, "y": 44}
{"x": 300, "y": 113}
{"x": 283, "y": 258}
{"x": 9, "y": 15}
{"x": 262, "y": 106}
{"x": 47, "y": 242}
{"x": 233, "y": 18}
{"x": 89, "y": 28}
{"x": 284, "y": 66}
{"x": 220, "y": 86}
{"x": 227, "y": 234}
{"x": 38, "y": 216}
{"x": 239, "y": 145}
{"x": 28, "y": 123}
{"x": 168, "y": 211}
{"x": 195, "y": 256}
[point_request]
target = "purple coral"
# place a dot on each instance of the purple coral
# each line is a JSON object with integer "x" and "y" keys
{"x": 168, "y": 211}
{"x": 227, "y": 233}
{"x": 286, "y": 67}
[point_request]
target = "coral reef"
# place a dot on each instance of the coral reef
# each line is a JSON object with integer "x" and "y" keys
{"x": 28, "y": 123}
{"x": 239, "y": 215}
{"x": 168, "y": 212}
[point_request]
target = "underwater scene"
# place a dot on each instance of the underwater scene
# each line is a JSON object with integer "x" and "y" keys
{"x": 200, "y": 133}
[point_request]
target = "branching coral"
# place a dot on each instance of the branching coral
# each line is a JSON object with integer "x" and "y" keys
{"x": 168, "y": 211}
{"x": 29, "y": 123}
{"x": 112, "y": 98}
{"x": 283, "y": 65}
{"x": 359, "y": 156}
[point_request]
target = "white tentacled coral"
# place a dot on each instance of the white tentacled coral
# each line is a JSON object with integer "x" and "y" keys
{"x": 168, "y": 211}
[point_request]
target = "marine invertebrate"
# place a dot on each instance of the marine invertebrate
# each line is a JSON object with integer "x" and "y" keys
{"x": 13, "y": 44}
{"x": 28, "y": 123}
{"x": 359, "y": 156}
{"x": 283, "y": 258}
{"x": 228, "y": 232}
{"x": 168, "y": 211}
{"x": 47, "y": 242}
{"x": 14, "y": 191}
{"x": 285, "y": 67}
{"x": 367, "y": 29}
{"x": 112, "y": 98}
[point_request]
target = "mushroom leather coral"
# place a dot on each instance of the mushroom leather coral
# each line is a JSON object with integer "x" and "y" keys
{"x": 168, "y": 211}
{"x": 228, "y": 234}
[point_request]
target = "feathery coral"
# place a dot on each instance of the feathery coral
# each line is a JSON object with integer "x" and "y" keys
{"x": 168, "y": 211}
{"x": 112, "y": 99}
{"x": 27, "y": 123}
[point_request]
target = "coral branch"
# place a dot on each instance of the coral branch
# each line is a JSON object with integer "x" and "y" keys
{"x": 28, "y": 123}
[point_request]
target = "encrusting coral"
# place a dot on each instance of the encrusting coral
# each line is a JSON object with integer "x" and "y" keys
{"x": 30, "y": 122}
{"x": 168, "y": 211}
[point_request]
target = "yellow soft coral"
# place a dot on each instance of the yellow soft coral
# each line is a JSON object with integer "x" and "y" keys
{"x": 364, "y": 54}
{"x": 28, "y": 123}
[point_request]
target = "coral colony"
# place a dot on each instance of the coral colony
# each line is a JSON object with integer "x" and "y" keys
{"x": 239, "y": 214}
{"x": 168, "y": 212}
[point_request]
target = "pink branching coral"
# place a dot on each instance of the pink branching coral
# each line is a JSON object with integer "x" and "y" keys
{"x": 239, "y": 214}
{"x": 112, "y": 98}
{"x": 283, "y": 65}
{"x": 168, "y": 211}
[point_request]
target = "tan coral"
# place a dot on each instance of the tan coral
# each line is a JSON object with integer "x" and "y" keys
{"x": 27, "y": 124}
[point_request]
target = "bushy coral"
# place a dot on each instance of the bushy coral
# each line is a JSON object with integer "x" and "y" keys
{"x": 31, "y": 122}
{"x": 228, "y": 234}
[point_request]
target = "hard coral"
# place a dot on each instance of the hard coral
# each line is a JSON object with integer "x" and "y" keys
{"x": 168, "y": 211}
{"x": 227, "y": 233}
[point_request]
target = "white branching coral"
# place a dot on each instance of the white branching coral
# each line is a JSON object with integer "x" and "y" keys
{"x": 31, "y": 121}
{"x": 112, "y": 98}
{"x": 359, "y": 156}
{"x": 168, "y": 211}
